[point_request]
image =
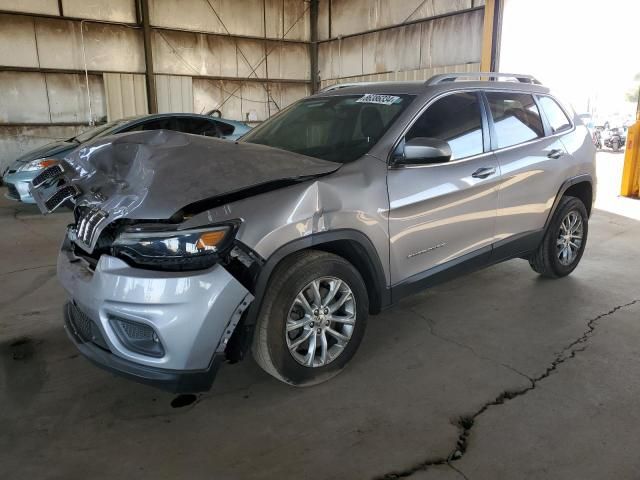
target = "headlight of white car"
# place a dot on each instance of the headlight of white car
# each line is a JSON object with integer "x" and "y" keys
{"x": 37, "y": 164}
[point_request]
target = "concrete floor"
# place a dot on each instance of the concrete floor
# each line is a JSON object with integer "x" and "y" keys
{"x": 497, "y": 375}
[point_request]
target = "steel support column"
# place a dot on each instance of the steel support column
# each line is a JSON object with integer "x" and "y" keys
{"x": 491, "y": 35}
{"x": 630, "y": 186}
{"x": 152, "y": 102}
{"x": 313, "y": 48}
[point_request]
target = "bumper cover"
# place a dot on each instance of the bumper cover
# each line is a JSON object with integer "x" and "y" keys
{"x": 176, "y": 381}
{"x": 192, "y": 313}
{"x": 18, "y": 184}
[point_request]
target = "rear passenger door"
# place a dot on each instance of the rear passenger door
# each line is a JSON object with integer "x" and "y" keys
{"x": 442, "y": 212}
{"x": 531, "y": 163}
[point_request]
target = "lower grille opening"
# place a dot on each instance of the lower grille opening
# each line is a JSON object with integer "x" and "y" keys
{"x": 137, "y": 337}
{"x": 12, "y": 191}
{"x": 85, "y": 328}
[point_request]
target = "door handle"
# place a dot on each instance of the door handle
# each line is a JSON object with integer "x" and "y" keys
{"x": 483, "y": 172}
{"x": 555, "y": 153}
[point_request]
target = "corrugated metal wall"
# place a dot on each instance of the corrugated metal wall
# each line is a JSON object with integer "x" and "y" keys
{"x": 247, "y": 58}
{"x": 364, "y": 40}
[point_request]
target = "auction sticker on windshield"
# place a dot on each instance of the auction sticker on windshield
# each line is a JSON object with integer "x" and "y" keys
{"x": 379, "y": 99}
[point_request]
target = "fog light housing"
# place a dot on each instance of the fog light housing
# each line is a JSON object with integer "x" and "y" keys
{"x": 137, "y": 337}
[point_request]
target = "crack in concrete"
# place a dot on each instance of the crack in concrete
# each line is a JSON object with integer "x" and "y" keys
{"x": 466, "y": 422}
{"x": 432, "y": 331}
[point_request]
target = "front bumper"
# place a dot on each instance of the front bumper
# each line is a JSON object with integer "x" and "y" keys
{"x": 18, "y": 186}
{"x": 193, "y": 315}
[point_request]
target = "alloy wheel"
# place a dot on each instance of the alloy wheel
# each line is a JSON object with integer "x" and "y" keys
{"x": 569, "y": 238}
{"x": 320, "y": 321}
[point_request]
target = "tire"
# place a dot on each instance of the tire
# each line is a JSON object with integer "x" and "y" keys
{"x": 545, "y": 260}
{"x": 272, "y": 342}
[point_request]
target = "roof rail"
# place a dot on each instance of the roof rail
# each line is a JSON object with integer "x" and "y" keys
{"x": 491, "y": 76}
{"x": 337, "y": 86}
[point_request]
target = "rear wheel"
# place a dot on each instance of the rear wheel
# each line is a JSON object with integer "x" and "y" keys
{"x": 312, "y": 318}
{"x": 564, "y": 241}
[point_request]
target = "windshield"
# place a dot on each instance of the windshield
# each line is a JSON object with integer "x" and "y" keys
{"x": 339, "y": 129}
{"x": 105, "y": 129}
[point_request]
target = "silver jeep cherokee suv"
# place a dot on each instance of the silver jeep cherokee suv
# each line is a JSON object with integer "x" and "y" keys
{"x": 188, "y": 251}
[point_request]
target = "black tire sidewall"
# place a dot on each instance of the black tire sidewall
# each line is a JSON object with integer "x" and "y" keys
{"x": 571, "y": 204}
{"x": 281, "y": 358}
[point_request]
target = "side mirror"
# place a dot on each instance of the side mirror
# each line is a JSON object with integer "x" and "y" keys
{"x": 421, "y": 150}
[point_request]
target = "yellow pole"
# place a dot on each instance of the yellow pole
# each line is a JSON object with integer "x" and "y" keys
{"x": 630, "y": 186}
{"x": 487, "y": 36}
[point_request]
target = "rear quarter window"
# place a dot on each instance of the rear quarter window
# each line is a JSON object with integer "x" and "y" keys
{"x": 556, "y": 117}
{"x": 516, "y": 118}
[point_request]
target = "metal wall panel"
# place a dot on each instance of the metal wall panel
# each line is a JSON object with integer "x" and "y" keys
{"x": 452, "y": 40}
{"x": 17, "y": 41}
{"x": 68, "y": 102}
{"x": 246, "y": 101}
{"x": 126, "y": 95}
{"x": 107, "y": 47}
{"x": 46, "y": 7}
{"x": 18, "y": 140}
{"x": 24, "y": 98}
{"x": 174, "y": 93}
{"x": 237, "y": 17}
{"x": 187, "y": 53}
{"x": 34, "y": 97}
{"x": 51, "y": 43}
{"x": 356, "y": 16}
{"x": 113, "y": 10}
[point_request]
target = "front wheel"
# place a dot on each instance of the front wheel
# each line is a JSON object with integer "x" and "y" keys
{"x": 312, "y": 318}
{"x": 564, "y": 241}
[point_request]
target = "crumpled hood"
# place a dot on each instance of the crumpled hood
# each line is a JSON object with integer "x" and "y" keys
{"x": 49, "y": 150}
{"x": 152, "y": 175}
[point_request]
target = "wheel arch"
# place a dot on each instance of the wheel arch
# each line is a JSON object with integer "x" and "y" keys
{"x": 580, "y": 186}
{"x": 352, "y": 245}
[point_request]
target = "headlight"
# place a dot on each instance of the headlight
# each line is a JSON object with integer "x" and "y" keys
{"x": 38, "y": 164}
{"x": 173, "y": 250}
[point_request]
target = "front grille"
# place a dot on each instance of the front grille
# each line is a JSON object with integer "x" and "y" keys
{"x": 87, "y": 225}
{"x": 13, "y": 191}
{"x": 84, "y": 327}
{"x": 48, "y": 173}
{"x": 62, "y": 195}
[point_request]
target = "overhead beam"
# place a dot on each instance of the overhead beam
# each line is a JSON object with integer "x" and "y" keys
{"x": 8, "y": 68}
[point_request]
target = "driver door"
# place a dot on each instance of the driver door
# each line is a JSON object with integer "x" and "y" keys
{"x": 443, "y": 213}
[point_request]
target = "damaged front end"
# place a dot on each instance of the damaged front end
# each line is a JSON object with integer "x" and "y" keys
{"x": 149, "y": 298}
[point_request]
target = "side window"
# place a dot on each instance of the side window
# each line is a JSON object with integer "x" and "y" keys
{"x": 224, "y": 128}
{"x": 456, "y": 119}
{"x": 516, "y": 118}
{"x": 201, "y": 126}
{"x": 556, "y": 116}
{"x": 158, "y": 124}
